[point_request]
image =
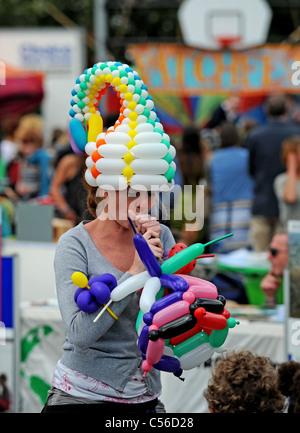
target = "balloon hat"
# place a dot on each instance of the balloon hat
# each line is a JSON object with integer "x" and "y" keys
{"x": 134, "y": 152}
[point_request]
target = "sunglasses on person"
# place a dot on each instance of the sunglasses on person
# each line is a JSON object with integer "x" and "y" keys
{"x": 274, "y": 251}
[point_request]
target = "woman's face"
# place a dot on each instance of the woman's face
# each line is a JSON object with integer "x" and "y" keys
{"x": 119, "y": 205}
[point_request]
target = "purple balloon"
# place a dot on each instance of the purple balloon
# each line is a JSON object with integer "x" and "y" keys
{"x": 169, "y": 364}
{"x": 86, "y": 302}
{"x": 143, "y": 339}
{"x": 166, "y": 301}
{"x": 107, "y": 279}
{"x": 174, "y": 282}
{"x": 100, "y": 291}
{"x": 147, "y": 256}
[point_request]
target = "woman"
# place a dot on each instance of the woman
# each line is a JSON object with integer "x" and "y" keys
{"x": 287, "y": 185}
{"x": 100, "y": 366}
{"x": 231, "y": 191}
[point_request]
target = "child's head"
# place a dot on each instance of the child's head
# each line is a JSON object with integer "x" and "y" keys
{"x": 289, "y": 384}
{"x": 243, "y": 382}
{"x": 30, "y": 133}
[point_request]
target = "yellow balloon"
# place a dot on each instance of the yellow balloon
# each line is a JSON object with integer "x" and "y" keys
{"x": 79, "y": 279}
{"x": 95, "y": 127}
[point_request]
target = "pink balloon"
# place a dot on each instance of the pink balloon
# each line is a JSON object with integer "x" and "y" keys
{"x": 153, "y": 354}
{"x": 170, "y": 313}
{"x": 200, "y": 288}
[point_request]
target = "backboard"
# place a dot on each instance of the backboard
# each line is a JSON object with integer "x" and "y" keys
{"x": 218, "y": 24}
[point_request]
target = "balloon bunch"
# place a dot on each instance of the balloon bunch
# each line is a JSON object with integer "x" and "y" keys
{"x": 135, "y": 151}
{"x": 182, "y": 319}
{"x": 93, "y": 293}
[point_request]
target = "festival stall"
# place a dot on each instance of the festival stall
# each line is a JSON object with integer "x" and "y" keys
{"x": 187, "y": 84}
{"x": 21, "y": 92}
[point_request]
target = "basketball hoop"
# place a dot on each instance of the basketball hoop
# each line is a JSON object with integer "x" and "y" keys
{"x": 226, "y": 42}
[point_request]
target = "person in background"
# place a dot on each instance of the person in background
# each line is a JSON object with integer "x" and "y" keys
{"x": 278, "y": 257}
{"x": 191, "y": 164}
{"x": 67, "y": 188}
{"x": 265, "y": 163}
{"x": 289, "y": 384}
{"x": 8, "y": 145}
{"x": 287, "y": 184}
{"x": 231, "y": 191}
{"x": 227, "y": 111}
{"x": 32, "y": 170}
{"x": 244, "y": 383}
{"x": 5, "y": 398}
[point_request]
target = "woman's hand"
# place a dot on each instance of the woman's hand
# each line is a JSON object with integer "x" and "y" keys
{"x": 145, "y": 222}
{"x": 156, "y": 247}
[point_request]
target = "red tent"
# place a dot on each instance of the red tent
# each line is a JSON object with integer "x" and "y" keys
{"x": 20, "y": 92}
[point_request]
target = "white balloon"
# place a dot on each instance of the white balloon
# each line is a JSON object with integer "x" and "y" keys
{"x": 148, "y": 181}
{"x": 148, "y": 137}
{"x": 150, "y": 290}
{"x": 115, "y": 151}
{"x": 89, "y": 162}
{"x": 90, "y": 147}
{"x": 173, "y": 165}
{"x": 172, "y": 151}
{"x": 144, "y": 127}
{"x": 131, "y": 285}
{"x": 149, "y": 150}
{"x": 101, "y": 136}
{"x": 90, "y": 178}
{"x": 122, "y": 128}
{"x": 117, "y": 138}
{"x": 196, "y": 356}
{"x": 111, "y": 182}
{"x": 141, "y": 119}
{"x": 139, "y": 109}
{"x": 110, "y": 165}
{"x": 149, "y": 166}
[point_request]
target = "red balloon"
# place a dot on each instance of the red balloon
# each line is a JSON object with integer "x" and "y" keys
{"x": 190, "y": 266}
{"x": 211, "y": 320}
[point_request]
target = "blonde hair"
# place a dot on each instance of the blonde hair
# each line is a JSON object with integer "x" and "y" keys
{"x": 30, "y": 129}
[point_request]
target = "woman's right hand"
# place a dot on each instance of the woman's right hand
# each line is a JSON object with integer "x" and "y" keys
{"x": 156, "y": 247}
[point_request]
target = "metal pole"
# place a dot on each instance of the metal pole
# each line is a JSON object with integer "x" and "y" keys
{"x": 100, "y": 30}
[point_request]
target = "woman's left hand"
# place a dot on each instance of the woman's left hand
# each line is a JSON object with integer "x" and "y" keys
{"x": 146, "y": 222}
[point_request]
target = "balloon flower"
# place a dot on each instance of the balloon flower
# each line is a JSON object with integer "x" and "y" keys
{"x": 182, "y": 319}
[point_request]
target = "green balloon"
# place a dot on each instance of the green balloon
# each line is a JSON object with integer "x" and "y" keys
{"x": 81, "y": 94}
{"x": 81, "y": 104}
{"x": 168, "y": 158}
{"x": 83, "y": 85}
{"x": 217, "y": 337}
{"x": 231, "y": 322}
{"x": 166, "y": 142}
{"x": 182, "y": 258}
{"x": 190, "y": 344}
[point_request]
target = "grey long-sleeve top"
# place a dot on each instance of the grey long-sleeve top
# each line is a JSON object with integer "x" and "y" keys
{"x": 106, "y": 350}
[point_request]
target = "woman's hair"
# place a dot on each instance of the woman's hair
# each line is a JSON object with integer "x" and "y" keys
{"x": 30, "y": 129}
{"x": 92, "y": 199}
{"x": 289, "y": 384}
{"x": 291, "y": 144}
{"x": 243, "y": 382}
